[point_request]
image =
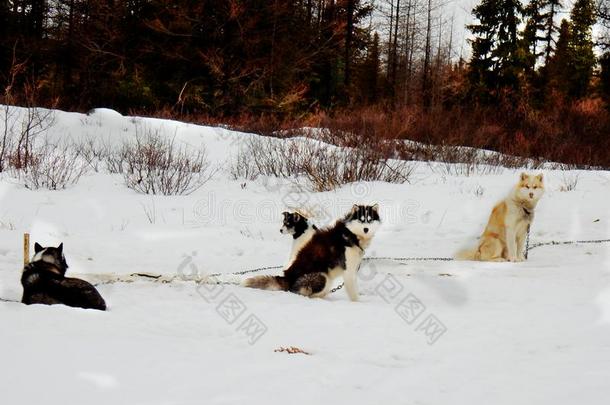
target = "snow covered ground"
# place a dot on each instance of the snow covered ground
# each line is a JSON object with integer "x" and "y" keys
{"x": 423, "y": 332}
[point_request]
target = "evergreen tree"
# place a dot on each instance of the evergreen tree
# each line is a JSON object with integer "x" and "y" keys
{"x": 581, "y": 57}
{"x": 540, "y": 28}
{"x": 605, "y": 78}
{"x": 369, "y": 83}
{"x": 557, "y": 67}
{"x": 535, "y": 24}
{"x": 496, "y": 58}
{"x": 551, "y": 8}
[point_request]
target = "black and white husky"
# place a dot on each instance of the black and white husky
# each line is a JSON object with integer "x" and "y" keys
{"x": 331, "y": 252}
{"x": 44, "y": 282}
{"x": 298, "y": 226}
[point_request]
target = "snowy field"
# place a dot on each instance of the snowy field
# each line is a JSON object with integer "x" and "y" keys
{"x": 430, "y": 332}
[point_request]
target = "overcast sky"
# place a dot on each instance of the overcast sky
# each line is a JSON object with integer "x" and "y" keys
{"x": 462, "y": 12}
{"x": 463, "y": 16}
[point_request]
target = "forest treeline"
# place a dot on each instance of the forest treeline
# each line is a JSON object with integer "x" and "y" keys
{"x": 535, "y": 72}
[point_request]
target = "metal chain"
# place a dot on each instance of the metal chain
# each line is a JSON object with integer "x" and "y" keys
{"x": 399, "y": 259}
{"x": 568, "y": 242}
{"x": 337, "y": 288}
{"x": 237, "y": 273}
{"x": 410, "y": 259}
{"x": 527, "y": 242}
{"x": 448, "y": 259}
{"x": 395, "y": 259}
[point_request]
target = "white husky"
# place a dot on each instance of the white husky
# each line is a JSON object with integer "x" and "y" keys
{"x": 506, "y": 232}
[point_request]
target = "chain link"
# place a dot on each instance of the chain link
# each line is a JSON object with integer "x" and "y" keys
{"x": 387, "y": 258}
{"x": 393, "y": 259}
{"x": 399, "y": 259}
{"x": 568, "y": 242}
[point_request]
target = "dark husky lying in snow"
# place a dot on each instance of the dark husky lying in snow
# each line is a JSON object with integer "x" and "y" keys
{"x": 44, "y": 282}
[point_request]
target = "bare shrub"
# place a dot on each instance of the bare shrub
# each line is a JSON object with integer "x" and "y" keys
{"x": 36, "y": 121}
{"x": 569, "y": 182}
{"x": 8, "y": 111}
{"x": 243, "y": 167}
{"x": 329, "y": 167}
{"x": 6, "y": 143}
{"x": 21, "y": 127}
{"x": 150, "y": 211}
{"x": 94, "y": 152}
{"x": 153, "y": 164}
{"x": 52, "y": 166}
{"x": 267, "y": 157}
{"x": 115, "y": 159}
{"x": 325, "y": 166}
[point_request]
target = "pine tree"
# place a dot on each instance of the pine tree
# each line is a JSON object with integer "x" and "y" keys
{"x": 605, "y": 77}
{"x": 552, "y": 7}
{"x": 496, "y": 58}
{"x": 557, "y": 66}
{"x": 540, "y": 29}
{"x": 535, "y": 23}
{"x": 581, "y": 56}
{"x": 370, "y": 70}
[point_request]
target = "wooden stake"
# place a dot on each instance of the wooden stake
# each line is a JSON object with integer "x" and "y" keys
{"x": 26, "y": 248}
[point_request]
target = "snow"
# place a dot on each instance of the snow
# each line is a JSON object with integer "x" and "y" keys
{"x": 507, "y": 333}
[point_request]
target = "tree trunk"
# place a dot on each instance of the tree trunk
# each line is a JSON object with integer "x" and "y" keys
{"x": 549, "y": 33}
{"x": 426, "y": 76}
{"x": 348, "y": 41}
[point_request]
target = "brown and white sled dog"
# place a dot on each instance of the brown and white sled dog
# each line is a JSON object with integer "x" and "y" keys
{"x": 506, "y": 232}
{"x": 332, "y": 252}
{"x": 298, "y": 226}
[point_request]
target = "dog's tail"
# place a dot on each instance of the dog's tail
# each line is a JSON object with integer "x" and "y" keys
{"x": 467, "y": 254}
{"x": 271, "y": 283}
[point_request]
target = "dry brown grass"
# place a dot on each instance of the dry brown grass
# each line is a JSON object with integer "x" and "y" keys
{"x": 572, "y": 133}
{"x": 568, "y": 132}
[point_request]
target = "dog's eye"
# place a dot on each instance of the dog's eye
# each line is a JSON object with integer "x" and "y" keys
{"x": 535, "y": 187}
{"x": 528, "y": 187}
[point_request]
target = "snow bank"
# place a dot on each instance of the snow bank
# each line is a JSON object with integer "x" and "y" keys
{"x": 534, "y": 332}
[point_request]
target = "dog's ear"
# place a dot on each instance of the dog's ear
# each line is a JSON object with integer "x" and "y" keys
{"x": 375, "y": 207}
{"x": 37, "y": 247}
{"x": 61, "y": 247}
{"x": 285, "y": 214}
{"x": 524, "y": 176}
{"x": 355, "y": 208}
{"x": 540, "y": 177}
